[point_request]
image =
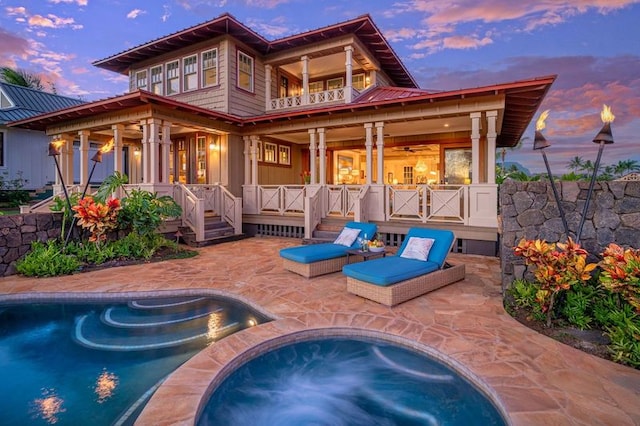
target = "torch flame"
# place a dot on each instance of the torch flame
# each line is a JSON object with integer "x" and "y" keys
{"x": 540, "y": 123}
{"x": 57, "y": 143}
{"x": 606, "y": 115}
{"x": 107, "y": 147}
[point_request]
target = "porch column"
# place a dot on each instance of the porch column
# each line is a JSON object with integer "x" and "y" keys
{"x": 66, "y": 159}
{"x": 247, "y": 160}
{"x": 322, "y": 153}
{"x": 349, "y": 72}
{"x": 146, "y": 177}
{"x": 475, "y": 147}
{"x": 118, "y": 130}
{"x": 380, "y": 151}
{"x": 305, "y": 80}
{"x": 254, "y": 159}
{"x": 84, "y": 156}
{"x": 154, "y": 145}
{"x": 312, "y": 155}
{"x": 166, "y": 149}
{"x": 368, "y": 143}
{"x": 492, "y": 117}
{"x": 267, "y": 88}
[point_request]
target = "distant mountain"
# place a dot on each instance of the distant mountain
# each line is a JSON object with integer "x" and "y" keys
{"x": 510, "y": 164}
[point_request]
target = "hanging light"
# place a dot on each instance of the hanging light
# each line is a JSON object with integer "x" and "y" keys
{"x": 420, "y": 166}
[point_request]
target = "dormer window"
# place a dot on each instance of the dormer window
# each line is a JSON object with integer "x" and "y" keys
{"x": 245, "y": 72}
{"x": 4, "y": 101}
{"x": 141, "y": 80}
{"x": 190, "y": 73}
{"x": 156, "y": 80}
{"x": 173, "y": 77}
{"x": 210, "y": 68}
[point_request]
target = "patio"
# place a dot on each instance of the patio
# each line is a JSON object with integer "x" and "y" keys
{"x": 538, "y": 380}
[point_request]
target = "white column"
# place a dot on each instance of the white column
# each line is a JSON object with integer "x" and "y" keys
{"x": 247, "y": 160}
{"x": 380, "y": 151}
{"x": 313, "y": 153}
{"x": 254, "y": 159}
{"x": 154, "y": 145}
{"x": 66, "y": 159}
{"x": 144, "y": 158}
{"x": 492, "y": 117}
{"x": 368, "y": 144}
{"x": 305, "y": 80}
{"x": 267, "y": 88}
{"x": 322, "y": 153}
{"x": 118, "y": 131}
{"x": 166, "y": 150}
{"x": 84, "y": 156}
{"x": 475, "y": 146}
{"x": 349, "y": 72}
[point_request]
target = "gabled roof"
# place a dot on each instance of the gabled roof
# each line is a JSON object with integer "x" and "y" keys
{"x": 522, "y": 99}
{"x": 362, "y": 27}
{"x": 30, "y": 102}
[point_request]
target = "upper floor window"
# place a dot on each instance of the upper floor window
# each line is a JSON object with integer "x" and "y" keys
{"x": 316, "y": 86}
{"x": 156, "y": 80}
{"x": 335, "y": 83}
{"x": 245, "y": 71}
{"x": 141, "y": 80}
{"x": 173, "y": 77}
{"x": 358, "y": 81}
{"x": 4, "y": 101}
{"x": 210, "y": 68}
{"x": 190, "y": 72}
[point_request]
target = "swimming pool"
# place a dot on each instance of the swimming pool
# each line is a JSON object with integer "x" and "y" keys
{"x": 97, "y": 362}
{"x": 347, "y": 379}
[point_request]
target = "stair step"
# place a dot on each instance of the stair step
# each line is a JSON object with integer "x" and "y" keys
{"x": 322, "y": 234}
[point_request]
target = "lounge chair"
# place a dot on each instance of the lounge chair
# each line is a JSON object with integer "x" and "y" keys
{"x": 317, "y": 259}
{"x": 395, "y": 279}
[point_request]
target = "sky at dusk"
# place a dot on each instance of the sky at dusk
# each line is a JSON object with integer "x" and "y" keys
{"x": 592, "y": 45}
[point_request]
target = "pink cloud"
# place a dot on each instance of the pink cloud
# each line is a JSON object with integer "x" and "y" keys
{"x": 12, "y": 45}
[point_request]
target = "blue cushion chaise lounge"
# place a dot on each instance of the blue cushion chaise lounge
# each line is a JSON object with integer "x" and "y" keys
{"x": 395, "y": 279}
{"x": 324, "y": 258}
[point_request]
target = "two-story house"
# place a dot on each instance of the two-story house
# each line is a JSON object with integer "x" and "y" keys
{"x": 277, "y": 135}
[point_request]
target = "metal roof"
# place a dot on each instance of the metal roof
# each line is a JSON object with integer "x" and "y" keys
{"x": 362, "y": 27}
{"x": 522, "y": 99}
{"x": 30, "y": 102}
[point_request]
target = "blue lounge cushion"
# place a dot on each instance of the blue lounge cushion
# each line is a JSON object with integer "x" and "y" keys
{"x": 393, "y": 269}
{"x": 317, "y": 252}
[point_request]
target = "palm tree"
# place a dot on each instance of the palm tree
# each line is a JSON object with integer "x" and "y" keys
{"x": 576, "y": 164}
{"x": 20, "y": 78}
{"x": 626, "y": 166}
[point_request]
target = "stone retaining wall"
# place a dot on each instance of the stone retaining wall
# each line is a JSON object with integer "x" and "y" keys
{"x": 529, "y": 210}
{"x": 17, "y": 232}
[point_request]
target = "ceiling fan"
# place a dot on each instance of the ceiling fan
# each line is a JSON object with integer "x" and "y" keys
{"x": 412, "y": 148}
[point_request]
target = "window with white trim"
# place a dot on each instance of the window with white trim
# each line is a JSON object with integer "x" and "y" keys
{"x": 245, "y": 72}
{"x": 407, "y": 174}
{"x": 173, "y": 77}
{"x": 316, "y": 86}
{"x": 141, "y": 80}
{"x": 1, "y": 149}
{"x": 270, "y": 150}
{"x": 156, "y": 80}
{"x": 190, "y": 73}
{"x": 335, "y": 83}
{"x": 210, "y": 68}
{"x": 284, "y": 154}
{"x": 358, "y": 81}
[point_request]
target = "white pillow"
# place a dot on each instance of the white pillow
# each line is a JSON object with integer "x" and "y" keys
{"x": 347, "y": 236}
{"x": 417, "y": 248}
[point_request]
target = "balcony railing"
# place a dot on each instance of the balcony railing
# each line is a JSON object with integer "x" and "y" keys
{"x": 326, "y": 97}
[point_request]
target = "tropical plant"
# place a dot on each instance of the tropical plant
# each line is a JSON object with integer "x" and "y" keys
{"x": 621, "y": 273}
{"x": 20, "y": 78}
{"x": 558, "y": 267}
{"x": 97, "y": 217}
{"x": 47, "y": 260}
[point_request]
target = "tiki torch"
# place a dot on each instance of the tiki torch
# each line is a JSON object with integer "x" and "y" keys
{"x": 54, "y": 151}
{"x": 604, "y": 137}
{"x": 97, "y": 158}
{"x": 540, "y": 143}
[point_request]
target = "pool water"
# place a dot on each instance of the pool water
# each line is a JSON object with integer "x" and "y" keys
{"x": 71, "y": 364}
{"x": 347, "y": 381}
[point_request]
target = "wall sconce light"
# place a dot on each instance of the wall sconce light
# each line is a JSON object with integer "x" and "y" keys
{"x": 212, "y": 146}
{"x": 136, "y": 152}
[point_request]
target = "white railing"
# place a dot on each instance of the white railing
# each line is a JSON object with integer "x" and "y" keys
{"x": 341, "y": 200}
{"x": 192, "y": 210}
{"x": 287, "y": 102}
{"x": 312, "y": 210}
{"x": 326, "y": 96}
{"x": 231, "y": 209}
{"x": 281, "y": 199}
{"x": 317, "y": 98}
{"x": 361, "y": 205}
{"x": 434, "y": 203}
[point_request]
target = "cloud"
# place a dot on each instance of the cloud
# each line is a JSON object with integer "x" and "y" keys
{"x": 166, "y": 13}
{"x": 78, "y": 2}
{"x": 135, "y": 13}
{"x": 38, "y": 21}
{"x": 12, "y": 45}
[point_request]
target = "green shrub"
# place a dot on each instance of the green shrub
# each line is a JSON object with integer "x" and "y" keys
{"x": 47, "y": 260}
{"x": 577, "y": 305}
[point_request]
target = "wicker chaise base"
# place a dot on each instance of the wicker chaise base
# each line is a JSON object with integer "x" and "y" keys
{"x": 401, "y": 292}
{"x": 314, "y": 269}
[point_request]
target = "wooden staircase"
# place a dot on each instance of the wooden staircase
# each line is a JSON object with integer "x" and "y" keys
{"x": 216, "y": 231}
{"x": 326, "y": 231}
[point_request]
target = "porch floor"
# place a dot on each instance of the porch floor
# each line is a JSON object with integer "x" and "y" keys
{"x": 536, "y": 379}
